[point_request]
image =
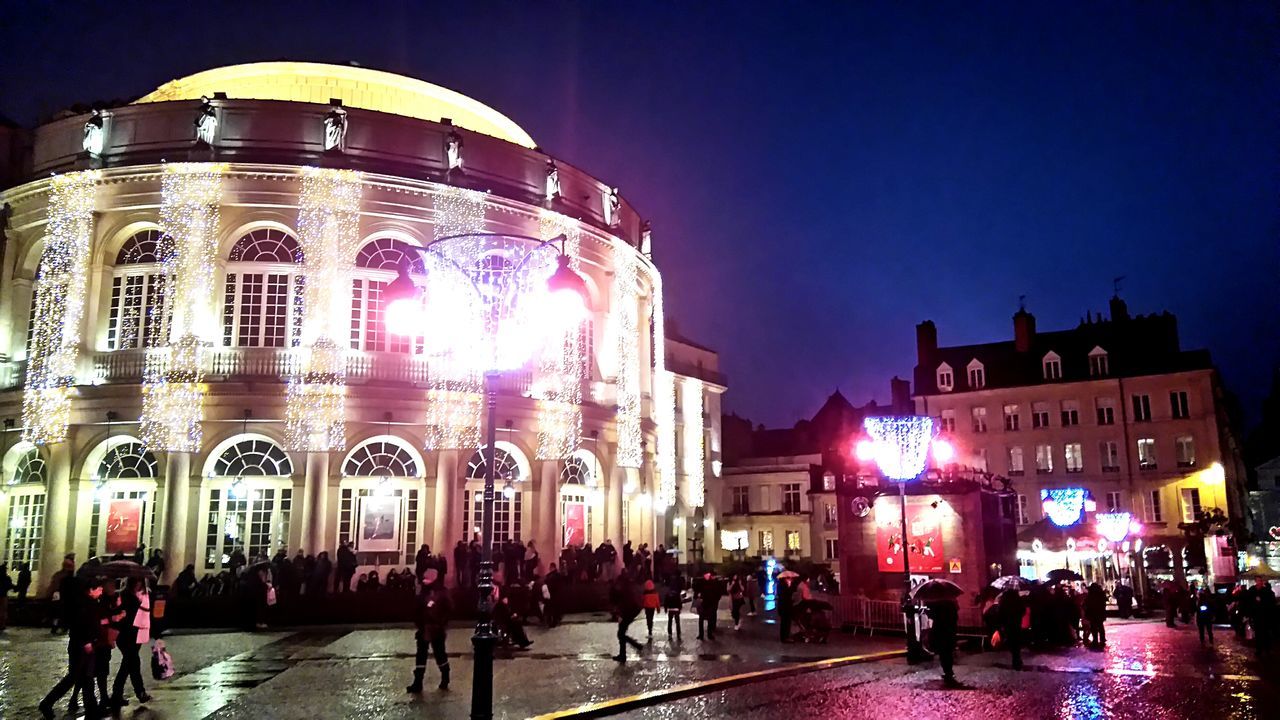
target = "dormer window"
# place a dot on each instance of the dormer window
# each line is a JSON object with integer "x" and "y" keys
{"x": 1098, "y": 363}
{"x": 946, "y": 378}
{"x": 1052, "y": 365}
{"x": 977, "y": 375}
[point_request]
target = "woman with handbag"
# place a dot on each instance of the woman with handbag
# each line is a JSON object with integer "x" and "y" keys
{"x": 135, "y": 631}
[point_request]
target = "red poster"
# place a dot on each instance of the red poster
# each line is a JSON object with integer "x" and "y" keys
{"x": 575, "y": 524}
{"x": 924, "y": 538}
{"x": 124, "y": 520}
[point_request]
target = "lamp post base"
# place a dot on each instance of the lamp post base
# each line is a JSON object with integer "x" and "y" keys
{"x": 482, "y": 676}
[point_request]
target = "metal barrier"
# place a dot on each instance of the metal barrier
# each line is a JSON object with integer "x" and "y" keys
{"x": 872, "y": 615}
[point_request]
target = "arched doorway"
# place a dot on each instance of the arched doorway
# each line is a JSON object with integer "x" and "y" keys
{"x": 246, "y": 501}
{"x": 381, "y": 479}
{"x": 510, "y": 475}
{"x": 123, "y": 510}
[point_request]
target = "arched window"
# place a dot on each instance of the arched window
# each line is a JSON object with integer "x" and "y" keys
{"x": 577, "y": 471}
{"x": 137, "y": 311}
{"x": 29, "y": 468}
{"x": 377, "y": 264}
{"x": 380, "y": 458}
{"x": 262, "y": 297}
{"x": 127, "y": 460}
{"x": 253, "y": 456}
{"x": 506, "y": 466}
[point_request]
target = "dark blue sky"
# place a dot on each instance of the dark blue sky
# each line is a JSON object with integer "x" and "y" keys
{"x": 823, "y": 176}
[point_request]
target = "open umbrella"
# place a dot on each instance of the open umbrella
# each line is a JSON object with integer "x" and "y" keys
{"x": 116, "y": 569}
{"x": 935, "y": 590}
{"x": 1261, "y": 570}
{"x": 1013, "y": 582}
{"x": 788, "y": 574}
{"x": 1063, "y": 574}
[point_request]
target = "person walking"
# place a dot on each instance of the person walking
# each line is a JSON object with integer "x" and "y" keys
{"x": 737, "y": 598}
{"x": 651, "y": 602}
{"x": 135, "y": 631}
{"x": 1261, "y": 603}
{"x": 707, "y": 593}
{"x": 6, "y": 585}
{"x": 945, "y": 615}
{"x": 1169, "y": 595}
{"x": 1124, "y": 600}
{"x": 626, "y": 606}
{"x": 552, "y": 586}
{"x": 431, "y": 618}
{"x": 1206, "y": 608}
{"x": 784, "y": 602}
{"x": 673, "y": 601}
{"x": 82, "y": 626}
{"x": 1095, "y": 612}
{"x": 1012, "y": 608}
{"x": 112, "y": 613}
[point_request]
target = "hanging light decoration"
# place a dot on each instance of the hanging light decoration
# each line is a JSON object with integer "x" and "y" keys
{"x": 664, "y": 400}
{"x": 1113, "y": 526}
{"x": 694, "y": 451}
{"x": 59, "y": 307}
{"x": 172, "y": 390}
{"x": 900, "y": 445}
{"x": 560, "y": 372}
{"x": 1064, "y": 506}
{"x": 625, "y": 330}
{"x": 328, "y": 231}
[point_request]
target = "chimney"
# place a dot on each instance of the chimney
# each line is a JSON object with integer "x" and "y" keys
{"x": 1119, "y": 310}
{"x": 926, "y": 342}
{"x": 1024, "y": 330}
{"x": 900, "y": 394}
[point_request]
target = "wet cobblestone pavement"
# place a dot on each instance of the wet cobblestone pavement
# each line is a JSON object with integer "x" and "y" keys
{"x": 1147, "y": 671}
{"x": 343, "y": 672}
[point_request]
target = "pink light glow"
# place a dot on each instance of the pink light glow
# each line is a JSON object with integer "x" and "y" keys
{"x": 943, "y": 451}
{"x": 865, "y": 450}
{"x": 404, "y": 317}
{"x": 565, "y": 307}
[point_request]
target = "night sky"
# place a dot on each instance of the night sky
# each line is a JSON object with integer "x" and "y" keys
{"x": 822, "y": 177}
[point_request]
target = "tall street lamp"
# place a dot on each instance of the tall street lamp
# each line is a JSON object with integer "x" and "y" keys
{"x": 489, "y": 300}
{"x": 900, "y": 448}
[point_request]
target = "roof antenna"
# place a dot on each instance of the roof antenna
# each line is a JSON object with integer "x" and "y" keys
{"x": 1022, "y": 303}
{"x": 1115, "y": 285}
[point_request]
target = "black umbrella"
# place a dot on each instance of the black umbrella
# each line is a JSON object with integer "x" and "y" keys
{"x": 116, "y": 569}
{"x": 1063, "y": 574}
{"x": 1014, "y": 582}
{"x": 935, "y": 590}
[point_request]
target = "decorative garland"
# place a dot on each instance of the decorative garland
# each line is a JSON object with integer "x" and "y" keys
{"x": 694, "y": 452}
{"x": 626, "y": 335}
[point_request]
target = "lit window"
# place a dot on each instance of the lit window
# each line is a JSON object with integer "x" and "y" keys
{"x": 1044, "y": 459}
{"x": 980, "y": 459}
{"x": 1147, "y": 453}
{"x": 1015, "y": 460}
{"x": 948, "y": 421}
{"x": 1052, "y": 367}
{"x": 828, "y": 482}
{"x": 1186, "y": 450}
{"x": 137, "y": 315}
{"x": 262, "y": 295}
{"x": 1012, "y": 420}
{"x": 977, "y": 376}
{"x": 979, "y": 417}
{"x": 377, "y": 265}
{"x": 946, "y": 378}
{"x": 1022, "y": 510}
{"x": 793, "y": 542}
{"x": 1190, "y": 504}
{"x": 1073, "y": 458}
{"x": 1154, "y": 513}
{"x": 829, "y": 513}
{"x": 1113, "y": 502}
{"x": 766, "y": 542}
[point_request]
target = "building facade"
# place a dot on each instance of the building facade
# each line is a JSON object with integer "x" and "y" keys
{"x": 194, "y": 353}
{"x": 1109, "y": 417}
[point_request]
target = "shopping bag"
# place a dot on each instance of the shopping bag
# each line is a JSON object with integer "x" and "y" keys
{"x": 996, "y": 642}
{"x": 271, "y": 595}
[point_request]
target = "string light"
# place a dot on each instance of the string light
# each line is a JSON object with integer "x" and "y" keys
{"x": 59, "y": 307}
{"x": 901, "y": 444}
{"x": 1113, "y": 526}
{"x": 558, "y": 385}
{"x": 173, "y": 390}
{"x": 694, "y": 452}
{"x": 626, "y": 334}
{"x": 664, "y": 399}
{"x": 1064, "y": 506}
{"x": 328, "y": 232}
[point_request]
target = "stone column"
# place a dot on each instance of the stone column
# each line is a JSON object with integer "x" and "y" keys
{"x": 57, "y": 511}
{"x": 177, "y": 485}
{"x": 613, "y": 508}
{"x": 315, "y": 501}
{"x": 445, "y": 533}
{"x": 548, "y": 535}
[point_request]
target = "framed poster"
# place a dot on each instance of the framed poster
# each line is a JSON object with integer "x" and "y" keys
{"x": 124, "y": 522}
{"x": 924, "y": 538}
{"x": 379, "y": 529}
{"x": 575, "y": 524}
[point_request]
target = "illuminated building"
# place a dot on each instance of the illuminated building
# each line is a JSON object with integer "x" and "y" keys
{"x": 1113, "y": 410}
{"x": 215, "y": 255}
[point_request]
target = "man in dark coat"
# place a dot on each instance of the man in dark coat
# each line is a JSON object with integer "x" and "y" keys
{"x": 707, "y": 592}
{"x": 347, "y": 564}
{"x": 1011, "y": 611}
{"x": 83, "y": 625}
{"x": 624, "y": 596}
{"x": 460, "y": 566}
{"x": 431, "y": 617}
{"x": 422, "y": 560}
{"x": 945, "y": 615}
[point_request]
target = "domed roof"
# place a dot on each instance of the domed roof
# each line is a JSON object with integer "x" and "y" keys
{"x": 356, "y": 87}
